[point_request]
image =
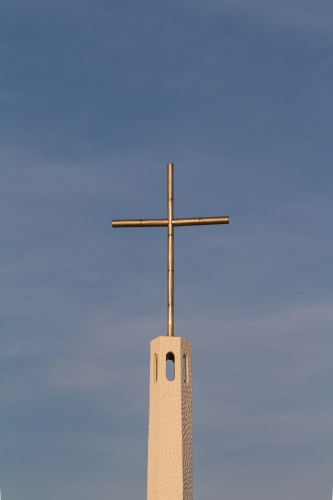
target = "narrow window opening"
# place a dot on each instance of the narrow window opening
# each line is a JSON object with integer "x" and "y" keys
{"x": 185, "y": 368}
{"x": 170, "y": 366}
{"x": 155, "y": 367}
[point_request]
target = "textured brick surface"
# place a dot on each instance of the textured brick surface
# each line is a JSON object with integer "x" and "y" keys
{"x": 170, "y": 423}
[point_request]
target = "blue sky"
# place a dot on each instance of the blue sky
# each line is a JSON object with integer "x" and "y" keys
{"x": 97, "y": 97}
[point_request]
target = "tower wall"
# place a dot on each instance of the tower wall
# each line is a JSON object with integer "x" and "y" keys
{"x": 170, "y": 421}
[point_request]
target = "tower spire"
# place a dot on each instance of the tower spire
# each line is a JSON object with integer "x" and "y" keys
{"x": 170, "y": 398}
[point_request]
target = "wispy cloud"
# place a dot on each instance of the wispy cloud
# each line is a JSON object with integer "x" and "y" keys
{"x": 307, "y": 16}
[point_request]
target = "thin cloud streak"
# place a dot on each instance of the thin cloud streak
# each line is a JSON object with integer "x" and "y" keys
{"x": 306, "y": 16}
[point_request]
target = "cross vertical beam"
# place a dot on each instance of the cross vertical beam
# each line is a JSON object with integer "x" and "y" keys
{"x": 170, "y": 252}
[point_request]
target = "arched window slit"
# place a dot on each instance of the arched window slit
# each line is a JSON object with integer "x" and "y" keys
{"x": 170, "y": 366}
{"x": 155, "y": 367}
{"x": 185, "y": 368}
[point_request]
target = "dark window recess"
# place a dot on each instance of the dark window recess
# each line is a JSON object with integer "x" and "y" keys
{"x": 184, "y": 368}
{"x": 170, "y": 366}
{"x": 155, "y": 367}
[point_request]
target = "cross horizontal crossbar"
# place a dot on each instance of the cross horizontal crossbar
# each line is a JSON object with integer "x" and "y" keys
{"x": 174, "y": 222}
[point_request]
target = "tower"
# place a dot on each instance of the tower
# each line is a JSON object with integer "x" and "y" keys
{"x": 170, "y": 420}
{"x": 170, "y": 392}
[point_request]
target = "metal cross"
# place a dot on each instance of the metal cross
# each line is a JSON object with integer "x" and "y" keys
{"x": 170, "y": 222}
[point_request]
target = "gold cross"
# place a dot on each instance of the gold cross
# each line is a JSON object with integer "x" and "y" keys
{"x": 170, "y": 222}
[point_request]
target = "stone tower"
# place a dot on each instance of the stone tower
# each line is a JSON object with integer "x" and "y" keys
{"x": 170, "y": 420}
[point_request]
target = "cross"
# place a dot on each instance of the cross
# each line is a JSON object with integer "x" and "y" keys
{"x": 170, "y": 222}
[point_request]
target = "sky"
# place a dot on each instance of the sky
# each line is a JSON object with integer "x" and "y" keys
{"x": 96, "y": 98}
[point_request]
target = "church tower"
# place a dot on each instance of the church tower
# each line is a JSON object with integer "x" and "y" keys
{"x": 170, "y": 420}
{"x": 170, "y": 389}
